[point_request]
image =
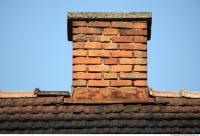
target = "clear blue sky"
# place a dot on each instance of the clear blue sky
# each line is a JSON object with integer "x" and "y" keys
{"x": 35, "y": 52}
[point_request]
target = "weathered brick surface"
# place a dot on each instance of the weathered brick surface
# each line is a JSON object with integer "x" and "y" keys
{"x": 110, "y": 31}
{"x": 86, "y": 75}
{"x": 86, "y": 30}
{"x": 109, "y": 46}
{"x": 122, "y": 39}
{"x": 77, "y": 68}
{"x": 122, "y": 54}
{"x": 83, "y": 45}
{"x": 79, "y": 83}
{"x": 79, "y": 23}
{"x": 98, "y": 83}
{"x": 132, "y": 61}
{"x": 109, "y": 54}
{"x": 99, "y": 53}
{"x": 79, "y": 38}
{"x": 113, "y": 61}
{"x": 110, "y": 75}
{"x": 79, "y": 53}
{"x": 134, "y": 75}
{"x": 132, "y": 32}
{"x": 140, "y": 54}
{"x": 140, "y": 46}
{"x": 140, "y": 83}
{"x": 120, "y": 83}
{"x": 81, "y": 60}
{"x": 140, "y": 68}
{"x": 126, "y": 46}
{"x": 98, "y": 38}
{"x": 93, "y": 45}
{"x": 131, "y": 46}
{"x": 99, "y": 24}
{"x": 119, "y": 24}
{"x": 140, "y": 39}
{"x": 140, "y": 25}
{"x": 121, "y": 68}
{"x": 98, "y": 68}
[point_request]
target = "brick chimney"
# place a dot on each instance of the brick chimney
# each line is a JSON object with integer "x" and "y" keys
{"x": 109, "y": 49}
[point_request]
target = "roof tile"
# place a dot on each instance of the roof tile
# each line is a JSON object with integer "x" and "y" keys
{"x": 6, "y": 102}
{"x": 26, "y": 109}
{"x": 132, "y": 108}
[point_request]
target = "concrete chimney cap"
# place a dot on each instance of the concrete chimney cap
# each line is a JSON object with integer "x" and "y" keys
{"x": 109, "y": 15}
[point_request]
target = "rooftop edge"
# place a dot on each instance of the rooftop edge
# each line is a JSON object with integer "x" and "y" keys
{"x": 152, "y": 93}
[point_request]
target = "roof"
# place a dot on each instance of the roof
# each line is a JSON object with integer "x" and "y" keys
{"x": 62, "y": 113}
{"x": 109, "y": 16}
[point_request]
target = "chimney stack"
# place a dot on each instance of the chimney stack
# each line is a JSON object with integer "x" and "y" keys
{"x": 109, "y": 49}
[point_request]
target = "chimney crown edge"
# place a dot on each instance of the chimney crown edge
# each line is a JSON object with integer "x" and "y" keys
{"x": 108, "y": 16}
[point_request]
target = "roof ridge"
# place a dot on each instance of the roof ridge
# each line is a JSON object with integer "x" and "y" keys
{"x": 36, "y": 93}
{"x": 39, "y": 92}
{"x": 182, "y": 93}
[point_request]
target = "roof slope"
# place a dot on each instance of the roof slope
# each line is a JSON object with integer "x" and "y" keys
{"x": 55, "y": 114}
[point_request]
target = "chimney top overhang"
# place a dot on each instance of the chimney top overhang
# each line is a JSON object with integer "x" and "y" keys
{"x": 109, "y": 16}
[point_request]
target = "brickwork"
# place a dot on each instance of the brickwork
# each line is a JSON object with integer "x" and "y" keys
{"x": 109, "y": 53}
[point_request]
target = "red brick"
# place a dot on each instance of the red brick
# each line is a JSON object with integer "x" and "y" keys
{"x": 79, "y": 23}
{"x": 101, "y": 83}
{"x": 139, "y": 25}
{"x": 99, "y": 24}
{"x": 110, "y": 75}
{"x": 121, "y": 24}
{"x": 121, "y": 68}
{"x": 99, "y": 53}
{"x": 120, "y": 83}
{"x": 122, "y": 39}
{"x": 140, "y": 54}
{"x": 98, "y": 38}
{"x": 140, "y": 46}
{"x": 78, "y": 45}
{"x": 79, "y": 83}
{"x": 126, "y": 46}
{"x": 81, "y": 60}
{"x": 79, "y": 68}
{"x": 79, "y": 38}
{"x": 134, "y": 75}
{"x": 92, "y": 45}
{"x": 86, "y": 75}
{"x": 79, "y": 52}
{"x": 110, "y": 31}
{"x": 132, "y": 61}
{"x": 122, "y": 54}
{"x": 110, "y": 61}
{"x": 142, "y": 39}
{"x": 140, "y": 61}
{"x": 109, "y": 45}
{"x": 126, "y": 61}
{"x": 140, "y": 83}
{"x": 86, "y": 45}
{"x": 132, "y": 32}
{"x": 86, "y": 30}
{"x": 95, "y": 68}
{"x": 140, "y": 68}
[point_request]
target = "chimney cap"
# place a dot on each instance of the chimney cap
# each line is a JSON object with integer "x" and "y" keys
{"x": 111, "y": 16}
